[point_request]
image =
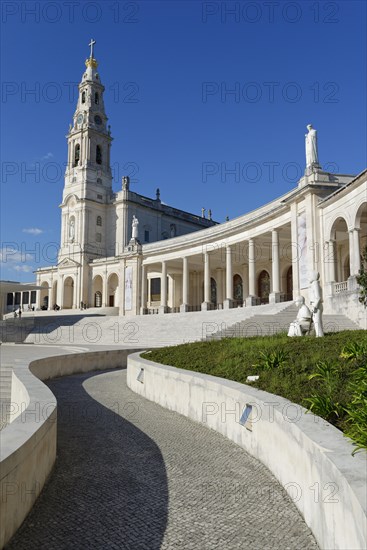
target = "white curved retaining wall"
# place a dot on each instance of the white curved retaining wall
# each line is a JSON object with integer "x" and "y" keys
{"x": 19, "y": 397}
{"x": 27, "y": 450}
{"x": 310, "y": 458}
{"x": 28, "y": 444}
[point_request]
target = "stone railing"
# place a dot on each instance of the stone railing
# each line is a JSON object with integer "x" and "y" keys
{"x": 341, "y": 287}
{"x": 308, "y": 456}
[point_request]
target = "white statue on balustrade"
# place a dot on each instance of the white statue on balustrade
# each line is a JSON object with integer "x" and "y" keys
{"x": 135, "y": 228}
{"x": 312, "y": 156}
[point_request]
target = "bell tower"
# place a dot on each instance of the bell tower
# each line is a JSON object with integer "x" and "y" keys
{"x": 88, "y": 178}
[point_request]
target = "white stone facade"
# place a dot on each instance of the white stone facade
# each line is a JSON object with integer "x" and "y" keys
{"x": 263, "y": 256}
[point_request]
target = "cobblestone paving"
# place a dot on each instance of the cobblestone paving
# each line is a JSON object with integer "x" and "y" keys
{"x": 132, "y": 475}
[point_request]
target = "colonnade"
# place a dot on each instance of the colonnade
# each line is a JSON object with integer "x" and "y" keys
{"x": 191, "y": 279}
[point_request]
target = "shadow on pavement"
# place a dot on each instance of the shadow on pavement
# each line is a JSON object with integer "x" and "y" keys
{"x": 109, "y": 485}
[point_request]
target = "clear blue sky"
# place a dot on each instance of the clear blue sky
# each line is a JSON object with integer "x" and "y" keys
{"x": 167, "y": 68}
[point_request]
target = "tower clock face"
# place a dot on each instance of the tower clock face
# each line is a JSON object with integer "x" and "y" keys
{"x": 98, "y": 120}
{"x": 79, "y": 119}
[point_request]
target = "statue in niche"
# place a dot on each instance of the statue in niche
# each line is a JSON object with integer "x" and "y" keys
{"x": 72, "y": 230}
{"x": 315, "y": 297}
{"x": 134, "y": 228}
{"x": 302, "y": 325}
{"x": 312, "y": 157}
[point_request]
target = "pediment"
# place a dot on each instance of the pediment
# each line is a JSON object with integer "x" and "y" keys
{"x": 68, "y": 262}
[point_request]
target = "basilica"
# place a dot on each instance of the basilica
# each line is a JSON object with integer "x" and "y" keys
{"x": 137, "y": 256}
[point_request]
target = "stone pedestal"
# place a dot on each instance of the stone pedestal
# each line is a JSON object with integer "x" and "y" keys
{"x": 251, "y": 301}
{"x": 163, "y": 309}
{"x": 227, "y": 304}
{"x": 184, "y": 308}
{"x": 352, "y": 283}
{"x": 205, "y": 306}
{"x": 134, "y": 246}
{"x": 274, "y": 297}
{"x": 329, "y": 288}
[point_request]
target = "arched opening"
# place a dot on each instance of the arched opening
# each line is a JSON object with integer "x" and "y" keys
{"x": 213, "y": 291}
{"x": 99, "y": 154}
{"x": 76, "y": 154}
{"x": 99, "y": 220}
{"x": 83, "y": 97}
{"x": 263, "y": 287}
{"x": 361, "y": 227}
{"x": 289, "y": 284}
{"x": 97, "y": 288}
{"x": 238, "y": 289}
{"x": 10, "y": 300}
{"x": 96, "y": 98}
{"x": 113, "y": 285}
{"x": 44, "y": 296}
{"x": 98, "y": 299}
{"x": 336, "y": 261}
{"x": 68, "y": 293}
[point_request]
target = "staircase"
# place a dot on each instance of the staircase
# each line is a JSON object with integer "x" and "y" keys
{"x": 142, "y": 331}
{"x": 267, "y": 324}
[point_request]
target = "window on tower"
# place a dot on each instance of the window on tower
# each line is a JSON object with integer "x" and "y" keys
{"x": 96, "y": 98}
{"x": 99, "y": 220}
{"x": 77, "y": 154}
{"x": 83, "y": 97}
{"x": 99, "y": 154}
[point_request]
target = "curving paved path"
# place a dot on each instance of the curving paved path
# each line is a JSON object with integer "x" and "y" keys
{"x": 132, "y": 475}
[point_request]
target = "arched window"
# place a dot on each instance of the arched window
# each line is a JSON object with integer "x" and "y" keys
{"x": 238, "y": 288}
{"x": 96, "y": 98}
{"x": 77, "y": 154}
{"x": 99, "y": 220}
{"x": 264, "y": 286}
{"x": 213, "y": 291}
{"x": 83, "y": 97}
{"x": 99, "y": 154}
{"x": 98, "y": 299}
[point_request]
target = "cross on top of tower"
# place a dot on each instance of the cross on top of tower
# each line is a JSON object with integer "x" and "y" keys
{"x": 91, "y": 44}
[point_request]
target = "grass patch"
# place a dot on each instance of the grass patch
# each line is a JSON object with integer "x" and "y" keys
{"x": 327, "y": 375}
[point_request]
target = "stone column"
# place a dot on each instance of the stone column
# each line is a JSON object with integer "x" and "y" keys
{"x": 295, "y": 250}
{"x": 251, "y": 299}
{"x": 163, "y": 306}
{"x": 196, "y": 289}
{"x": 185, "y": 285}
{"x": 220, "y": 294}
{"x": 331, "y": 261}
{"x": 274, "y": 297}
{"x": 105, "y": 290}
{"x": 228, "y": 302}
{"x": 51, "y": 298}
{"x": 245, "y": 289}
{"x": 143, "y": 290}
{"x": 206, "y": 303}
{"x": 354, "y": 251}
{"x": 75, "y": 292}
